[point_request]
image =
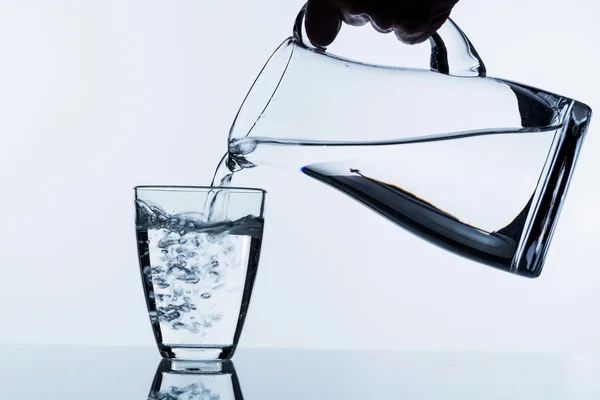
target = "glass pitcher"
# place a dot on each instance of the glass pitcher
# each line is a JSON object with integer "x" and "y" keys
{"x": 479, "y": 166}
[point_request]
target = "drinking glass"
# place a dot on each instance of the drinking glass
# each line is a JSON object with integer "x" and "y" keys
{"x": 198, "y": 252}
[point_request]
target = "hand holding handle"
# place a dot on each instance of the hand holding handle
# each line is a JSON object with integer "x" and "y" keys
{"x": 452, "y": 53}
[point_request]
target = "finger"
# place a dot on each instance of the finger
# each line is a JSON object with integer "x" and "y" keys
{"x": 353, "y": 12}
{"x": 354, "y": 20}
{"x": 379, "y": 27}
{"x": 416, "y": 23}
{"x": 381, "y": 13}
{"x": 323, "y": 21}
{"x": 419, "y": 17}
{"x": 416, "y": 37}
{"x": 354, "y": 7}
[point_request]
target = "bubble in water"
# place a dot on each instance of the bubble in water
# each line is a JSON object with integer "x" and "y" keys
{"x": 178, "y": 325}
{"x": 177, "y": 290}
{"x": 146, "y": 215}
{"x": 200, "y": 256}
{"x": 147, "y": 271}
{"x": 186, "y": 308}
{"x": 212, "y": 265}
{"x": 166, "y": 242}
{"x": 189, "y": 278}
{"x": 153, "y": 316}
{"x": 169, "y": 313}
{"x": 210, "y": 238}
{"x": 185, "y": 389}
{"x": 161, "y": 283}
{"x": 193, "y": 391}
{"x": 157, "y": 270}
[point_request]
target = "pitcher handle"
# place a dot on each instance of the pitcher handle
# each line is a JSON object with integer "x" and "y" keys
{"x": 452, "y": 53}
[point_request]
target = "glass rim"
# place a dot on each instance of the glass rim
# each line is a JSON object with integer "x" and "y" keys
{"x": 198, "y": 189}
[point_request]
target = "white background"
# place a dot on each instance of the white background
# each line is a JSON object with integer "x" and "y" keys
{"x": 99, "y": 96}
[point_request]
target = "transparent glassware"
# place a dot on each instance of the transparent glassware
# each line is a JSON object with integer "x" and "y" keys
{"x": 198, "y": 250}
{"x": 477, "y": 165}
{"x": 189, "y": 380}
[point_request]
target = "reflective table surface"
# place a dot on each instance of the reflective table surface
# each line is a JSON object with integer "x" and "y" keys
{"x": 96, "y": 372}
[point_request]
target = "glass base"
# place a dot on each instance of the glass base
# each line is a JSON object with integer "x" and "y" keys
{"x": 196, "y": 353}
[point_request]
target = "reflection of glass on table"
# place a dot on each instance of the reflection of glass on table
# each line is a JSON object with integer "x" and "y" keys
{"x": 193, "y": 380}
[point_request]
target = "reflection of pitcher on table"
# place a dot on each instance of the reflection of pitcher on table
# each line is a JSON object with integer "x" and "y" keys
{"x": 477, "y": 165}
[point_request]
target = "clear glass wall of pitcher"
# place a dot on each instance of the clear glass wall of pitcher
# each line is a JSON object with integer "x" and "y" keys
{"x": 479, "y": 166}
